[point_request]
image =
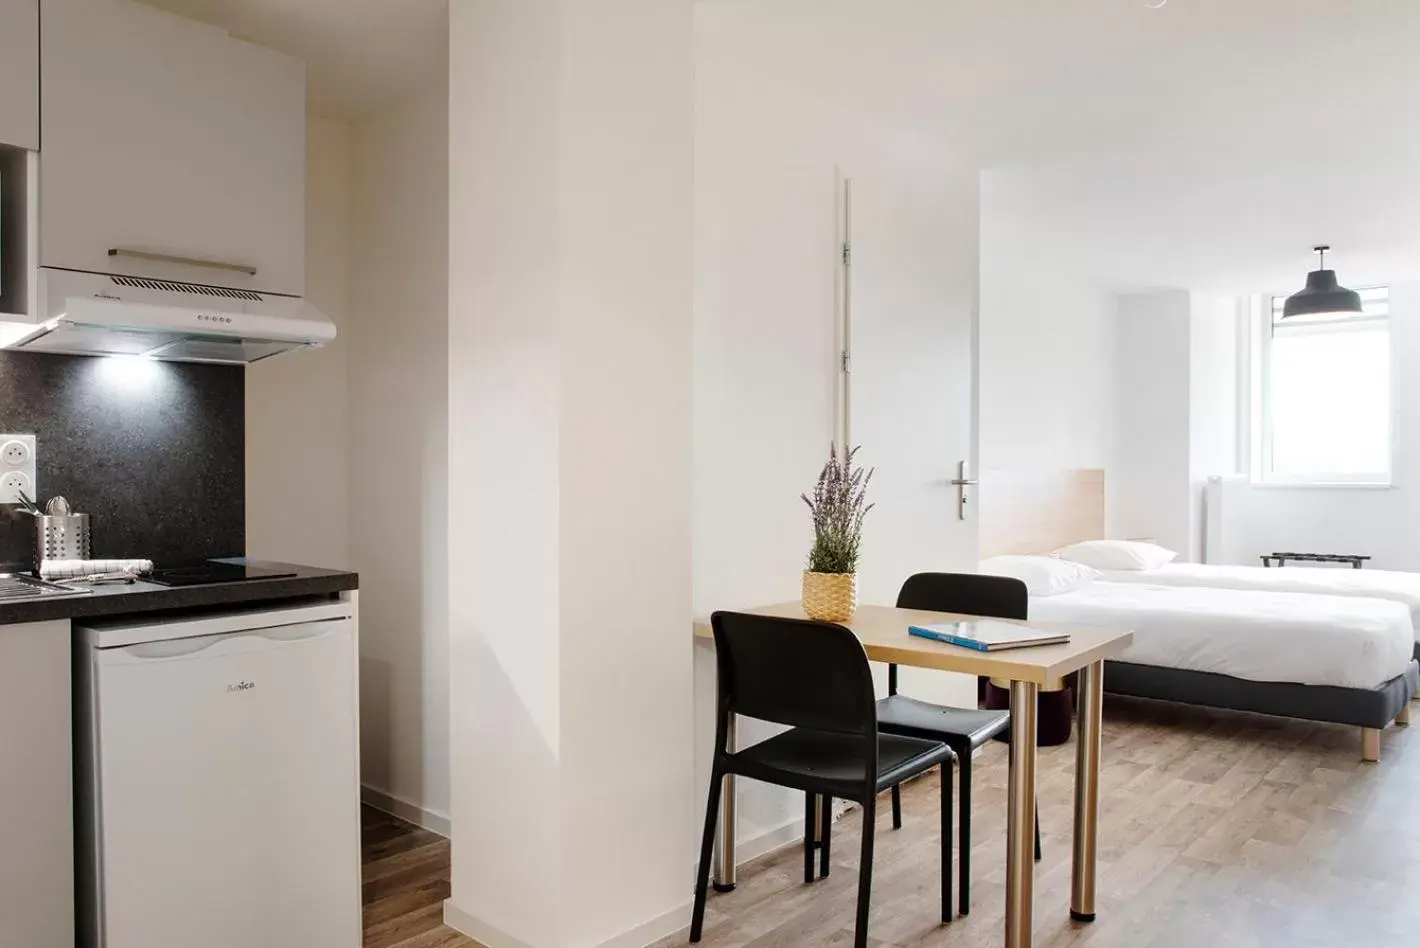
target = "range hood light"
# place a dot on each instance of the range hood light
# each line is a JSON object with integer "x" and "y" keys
{"x": 101, "y": 314}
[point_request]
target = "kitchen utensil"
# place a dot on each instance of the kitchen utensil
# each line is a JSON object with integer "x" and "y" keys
{"x": 58, "y": 507}
{"x": 62, "y": 538}
{"x": 103, "y": 579}
{"x": 29, "y": 505}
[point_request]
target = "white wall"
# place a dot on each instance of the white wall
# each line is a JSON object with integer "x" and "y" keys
{"x": 1175, "y": 410}
{"x": 627, "y": 310}
{"x": 768, "y": 160}
{"x": 570, "y": 324}
{"x": 1045, "y": 347}
{"x": 1213, "y": 403}
{"x": 1147, "y": 481}
{"x": 503, "y": 404}
{"x": 398, "y": 449}
{"x": 297, "y": 482}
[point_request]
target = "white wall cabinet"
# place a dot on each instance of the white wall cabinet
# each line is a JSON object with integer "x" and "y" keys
{"x": 168, "y": 136}
{"x": 19, "y": 73}
{"x": 36, "y": 795}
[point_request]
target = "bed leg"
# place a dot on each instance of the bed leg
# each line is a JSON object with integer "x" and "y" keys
{"x": 1371, "y": 744}
{"x": 1403, "y": 718}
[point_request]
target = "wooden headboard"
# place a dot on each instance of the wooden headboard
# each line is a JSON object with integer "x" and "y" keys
{"x": 1038, "y": 511}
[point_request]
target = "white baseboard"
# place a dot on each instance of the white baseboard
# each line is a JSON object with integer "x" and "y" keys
{"x": 671, "y": 922}
{"x": 650, "y": 932}
{"x": 409, "y": 812}
{"x": 647, "y": 933}
{"x": 485, "y": 934}
{"x": 790, "y": 833}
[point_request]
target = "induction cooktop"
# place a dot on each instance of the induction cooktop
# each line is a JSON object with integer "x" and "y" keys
{"x": 212, "y": 571}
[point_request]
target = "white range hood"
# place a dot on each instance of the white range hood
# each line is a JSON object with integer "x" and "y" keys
{"x": 109, "y": 314}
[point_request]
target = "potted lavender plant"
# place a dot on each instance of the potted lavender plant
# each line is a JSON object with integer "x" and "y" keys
{"x": 839, "y": 504}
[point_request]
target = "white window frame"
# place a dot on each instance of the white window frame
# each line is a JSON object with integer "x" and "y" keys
{"x": 1257, "y": 416}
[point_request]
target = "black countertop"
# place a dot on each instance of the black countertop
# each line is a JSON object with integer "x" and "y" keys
{"x": 143, "y": 597}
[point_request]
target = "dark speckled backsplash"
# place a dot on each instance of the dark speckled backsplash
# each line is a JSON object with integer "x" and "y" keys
{"x": 154, "y": 452}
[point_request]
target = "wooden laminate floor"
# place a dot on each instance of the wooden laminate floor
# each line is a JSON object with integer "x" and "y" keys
{"x": 1217, "y": 830}
{"x": 406, "y": 880}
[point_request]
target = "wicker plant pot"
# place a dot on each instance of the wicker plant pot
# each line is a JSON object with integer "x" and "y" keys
{"x": 831, "y": 597}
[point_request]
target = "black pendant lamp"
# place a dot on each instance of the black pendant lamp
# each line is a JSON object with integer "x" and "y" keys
{"x": 1323, "y": 296}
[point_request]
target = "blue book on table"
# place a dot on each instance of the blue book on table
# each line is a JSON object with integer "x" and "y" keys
{"x": 987, "y": 636}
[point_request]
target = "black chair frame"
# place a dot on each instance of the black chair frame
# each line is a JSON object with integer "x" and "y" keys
{"x": 815, "y": 678}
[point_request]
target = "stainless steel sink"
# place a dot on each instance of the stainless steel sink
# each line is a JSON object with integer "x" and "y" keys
{"x": 15, "y": 587}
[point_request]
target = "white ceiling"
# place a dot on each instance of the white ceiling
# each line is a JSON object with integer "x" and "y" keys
{"x": 1207, "y": 143}
{"x": 1231, "y": 210}
{"x": 362, "y": 54}
{"x": 1016, "y": 78}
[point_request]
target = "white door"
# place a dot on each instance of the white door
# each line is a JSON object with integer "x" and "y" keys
{"x": 911, "y": 405}
{"x": 230, "y": 790}
{"x": 19, "y": 73}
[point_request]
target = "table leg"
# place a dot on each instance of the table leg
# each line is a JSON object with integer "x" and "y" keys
{"x": 1020, "y": 816}
{"x": 1087, "y": 792}
{"x": 724, "y": 876}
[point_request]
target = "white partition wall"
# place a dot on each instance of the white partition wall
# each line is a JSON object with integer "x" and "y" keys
{"x": 570, "y": 166}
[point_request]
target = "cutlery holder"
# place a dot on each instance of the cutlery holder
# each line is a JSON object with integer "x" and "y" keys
{"x": 62, "y": 538}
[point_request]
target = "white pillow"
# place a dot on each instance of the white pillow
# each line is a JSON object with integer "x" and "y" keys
{"x": 1118, "y": 554}
{"x": 1043, "y": 575}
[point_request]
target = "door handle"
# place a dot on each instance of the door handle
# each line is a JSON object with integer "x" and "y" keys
{"x": 961, "y": 482}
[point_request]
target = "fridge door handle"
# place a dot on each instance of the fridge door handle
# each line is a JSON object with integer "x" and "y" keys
{"x": 224, "y": 643}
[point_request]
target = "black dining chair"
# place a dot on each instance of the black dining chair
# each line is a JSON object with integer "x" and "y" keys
{"x": 961, "y": 729}
{"x": 814, "y": 677}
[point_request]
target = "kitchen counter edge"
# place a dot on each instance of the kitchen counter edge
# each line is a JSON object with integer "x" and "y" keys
{"x": 144, "y": 597}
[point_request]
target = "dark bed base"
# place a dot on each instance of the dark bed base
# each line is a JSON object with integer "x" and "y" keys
{"x": 1370, "y": 710}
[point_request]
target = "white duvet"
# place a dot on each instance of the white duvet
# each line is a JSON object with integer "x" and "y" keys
{"x": 1256, "y": 635}
{"x": 1370, "y": 583}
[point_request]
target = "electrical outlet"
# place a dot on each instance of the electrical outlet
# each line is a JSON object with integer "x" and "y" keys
{"x": 12, "y": 483}
{"x": 15, "y": 453}
{"x": 17, "y": 468}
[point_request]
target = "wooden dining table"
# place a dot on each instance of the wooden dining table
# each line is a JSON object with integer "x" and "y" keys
{"x": 883, "y": 632}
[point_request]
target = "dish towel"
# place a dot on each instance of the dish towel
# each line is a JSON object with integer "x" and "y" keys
{"x": 77, "y": 569}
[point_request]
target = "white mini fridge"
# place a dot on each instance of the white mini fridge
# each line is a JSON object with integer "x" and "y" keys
{"x": 217, "y": 780}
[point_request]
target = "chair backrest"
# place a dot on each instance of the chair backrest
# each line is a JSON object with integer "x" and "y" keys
{"x": 999, "y": 597}
{"x": 795, "y": 672}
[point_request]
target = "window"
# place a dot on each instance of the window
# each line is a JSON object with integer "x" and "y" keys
{"x": 1325, "y": 396}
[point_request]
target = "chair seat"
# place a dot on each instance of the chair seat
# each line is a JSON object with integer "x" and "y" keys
{"x": 961, "y": 728}
{"x": 829, "y": 763}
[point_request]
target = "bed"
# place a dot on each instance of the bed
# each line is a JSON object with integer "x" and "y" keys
{"x": 1376, "y": 584}
{"x": 1306, "y": 639}
{"x": 1340, "y": 658}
